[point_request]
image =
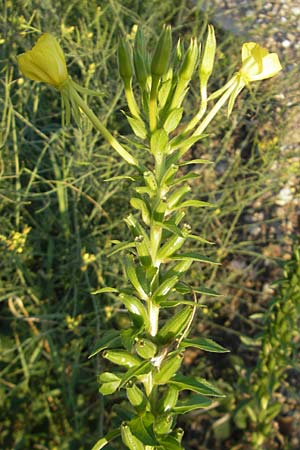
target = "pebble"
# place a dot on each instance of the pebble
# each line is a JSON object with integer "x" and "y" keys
{"x": 286, "y": 43}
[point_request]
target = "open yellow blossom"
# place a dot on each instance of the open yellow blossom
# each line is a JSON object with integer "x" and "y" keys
{"x": 258, "y": 63}
{"x": 45, "y": 62}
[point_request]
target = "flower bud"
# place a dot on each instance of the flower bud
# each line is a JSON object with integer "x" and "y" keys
{"x": 125, "y": 59}
{"x": 129, "y": 439}
{"x": 168, "y": 369}
{"x": 174, "y": 326}
{"x": 140, "y": 69}
{"x": 45, "y": 62}
{"x": 121, "y": 358}
{"x": 145, "y": 348}
{"x": 161, "y": 57}
{"x": 190, "y": 60}
{"x": 208, "y": 58}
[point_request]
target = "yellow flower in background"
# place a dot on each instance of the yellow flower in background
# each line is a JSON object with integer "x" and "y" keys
{"x": 258, "y": 63}
{"x": 45, "y": 62}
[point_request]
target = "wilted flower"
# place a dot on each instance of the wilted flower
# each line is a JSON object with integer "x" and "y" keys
{"x": 258, "y": 63}
{"x": 45, "y": 62}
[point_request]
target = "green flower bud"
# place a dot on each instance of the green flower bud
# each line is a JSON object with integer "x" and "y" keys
{"x": 174, "y": 326}
{"x": 150, "y": 180}
{"x": 165, "y": 287}
{"x": 177, "y": 195}
{"x": 145, "y": 348}
{"x": 190, "y": 60}
{"x": 136, "y": 396}
{"x": 170, "y": 398}
{"x": 134, "y": 306}
{"x": 121, "y": 358}
{"x": 208, "y": 58}
{"x": 129, "y": 439}
{"x": 125, "y": 60}
{"x": 170, "y": 247}
{"x": 140, "y": 69}
{"x": 163, "y": 424}
{"x": 161, "y": 57}
{"x": 168, "y": 369}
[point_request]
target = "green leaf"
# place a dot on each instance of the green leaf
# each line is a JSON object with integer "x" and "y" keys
{"x": 120, "y": 177}
{"x": 273, "y": 411}
{"x": 141, "y": 369}
{"x": 192, "y": 203}
{"x": 192, "y": 403}
{"x": 194, "y": 257}
{"x": 104, "y": 290}
{"x": 159, "y": 142}
{"x": 138, "y": 127}
{"x": 200, "y": 239}
{"x": 170, "y": 226}
{"x": 185, "y": 143}
{"x": 249, "y": 341}
{"x": 205, "y": 344}
{"x": 142, "y": 206}
{"x": 111, "y": 339}
{"x": 183, "y": 179}
{"x": 196, "y": 161}
{"x": 198, "y": 385}
{"x": 170, "y": 443}
{"x": 120, "y": 247}
{"x": 178, "y": 302}
{"x": 185, "y": 289}
{"x": 106, "y": 439}
{"x": 143, "y": 431}
{"x": 173, "y": 119}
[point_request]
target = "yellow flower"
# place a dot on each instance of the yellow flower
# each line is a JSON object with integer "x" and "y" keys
{"x": 45, "y": 62}
{"x": 258, "y": 63}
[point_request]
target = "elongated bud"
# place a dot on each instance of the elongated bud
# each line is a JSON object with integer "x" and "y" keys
{"x": 161, "y": 57}
{"x": 150, "y": 179}
{"x": 170, "y": 398}
{"x": 175, "y": 325}
{"x": 145, "y": 348}
{"x": 134, "y": 306}
{"x": 133, "y": 277}
{"x": 136, "y": 396}
{"x": 163, "y": 424}
{"x": 208, "y": 58}
{"x": 168, "y": 369}
{"x": 177, "y": 195}
{"x": 129, "y": 439}
{"x": 140, "y": 42}
{"x": 125, "y": 60}
{"x": 165, "y": 287}
{"x": 170, "y": 247}
{"x": 121, "y": 358}
{"x": 140, "y": 69}
{"x": 190, "y": 60}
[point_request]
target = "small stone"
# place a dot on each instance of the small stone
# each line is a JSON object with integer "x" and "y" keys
{"x": 286, "y": 43}
{"x": 295, "y": 10}
{"x": 285, "y": 196}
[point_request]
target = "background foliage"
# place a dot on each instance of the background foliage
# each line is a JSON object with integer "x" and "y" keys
{"x": 58, "y": 215}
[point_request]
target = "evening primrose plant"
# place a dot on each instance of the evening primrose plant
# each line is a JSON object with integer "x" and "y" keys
{"x": 146, "y": 357}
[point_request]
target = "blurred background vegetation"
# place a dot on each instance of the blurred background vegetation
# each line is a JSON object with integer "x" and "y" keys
{"x": 58, "y": 216}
